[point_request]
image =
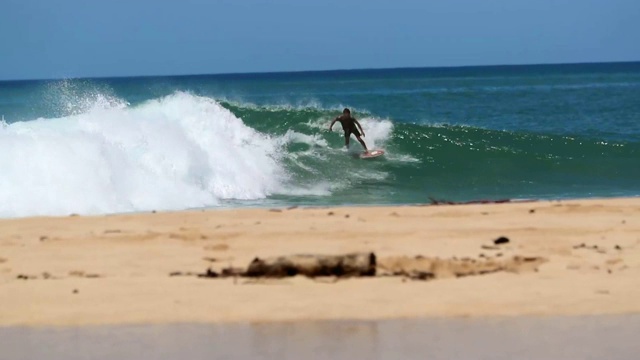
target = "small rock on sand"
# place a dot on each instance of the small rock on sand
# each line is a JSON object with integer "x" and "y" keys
{"x": 25, "y": 277}
{"x": 501, "y": 240}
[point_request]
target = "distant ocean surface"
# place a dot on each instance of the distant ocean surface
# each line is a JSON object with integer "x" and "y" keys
{"x": 110, "y": 145}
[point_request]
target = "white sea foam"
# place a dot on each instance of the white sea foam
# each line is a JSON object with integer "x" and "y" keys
{"x": 285, "y": 105}
{"x": 295, "y": 137}
{"x": 176, "y": 152}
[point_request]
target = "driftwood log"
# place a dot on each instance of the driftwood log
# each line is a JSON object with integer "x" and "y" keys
{"x": 355, "y": 264}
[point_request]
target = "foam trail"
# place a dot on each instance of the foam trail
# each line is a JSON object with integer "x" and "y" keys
{"x": 312, "y": 140}
{"x": 177, "y": 152}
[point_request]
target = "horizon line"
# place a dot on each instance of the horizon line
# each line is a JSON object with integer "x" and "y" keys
{"x": 325, "y": 71}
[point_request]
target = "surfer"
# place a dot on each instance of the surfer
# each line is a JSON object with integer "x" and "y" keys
{"x": 349, "y": 126}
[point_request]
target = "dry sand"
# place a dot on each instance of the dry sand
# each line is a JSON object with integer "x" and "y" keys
{"x": 116, "y": 269}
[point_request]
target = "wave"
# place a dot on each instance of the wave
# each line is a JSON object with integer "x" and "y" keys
{"x": 463, "y": 159}
{"x": 176, "y": 152}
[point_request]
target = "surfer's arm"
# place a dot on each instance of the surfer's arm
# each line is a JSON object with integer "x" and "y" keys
{"x": 360, "y": 126}
{"x": 333, "y": 122}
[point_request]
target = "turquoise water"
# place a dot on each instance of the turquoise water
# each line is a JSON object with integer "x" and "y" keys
{"x": 137, "y": 144}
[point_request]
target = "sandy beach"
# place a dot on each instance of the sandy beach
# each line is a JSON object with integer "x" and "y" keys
{"x": 577, "y": 257}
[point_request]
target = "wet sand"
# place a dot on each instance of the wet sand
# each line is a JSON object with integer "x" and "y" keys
{"x": 586, "y": 337}
{"x": 116, "y": 269}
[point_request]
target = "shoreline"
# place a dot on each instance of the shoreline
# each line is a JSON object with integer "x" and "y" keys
{"x": 283, "y": 207}
{"x": 115, "y": 269}
{"x": 474, "y": 201}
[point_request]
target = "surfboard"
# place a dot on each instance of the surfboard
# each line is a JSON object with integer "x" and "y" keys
{"x": 371, "y": 154}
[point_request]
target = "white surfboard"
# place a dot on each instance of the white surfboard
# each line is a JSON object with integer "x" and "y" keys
{"x": 371, "y": 154}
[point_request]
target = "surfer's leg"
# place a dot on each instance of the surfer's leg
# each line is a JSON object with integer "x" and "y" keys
{"x": 347, "y": 135}
{"x": 362, "y": 142}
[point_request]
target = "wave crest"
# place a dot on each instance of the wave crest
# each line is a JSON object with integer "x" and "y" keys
{"x": 176, "y": 152}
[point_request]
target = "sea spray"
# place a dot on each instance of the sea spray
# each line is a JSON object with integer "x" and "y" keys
{"x": 176, "y": 152}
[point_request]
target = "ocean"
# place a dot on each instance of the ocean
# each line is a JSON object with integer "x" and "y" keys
{"x": 113, "y": 145}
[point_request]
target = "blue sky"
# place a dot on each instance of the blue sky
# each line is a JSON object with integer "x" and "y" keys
{"x": 77, "y": 38}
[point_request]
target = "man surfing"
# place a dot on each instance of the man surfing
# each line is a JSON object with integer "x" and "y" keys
{"x": 349, "y": 126}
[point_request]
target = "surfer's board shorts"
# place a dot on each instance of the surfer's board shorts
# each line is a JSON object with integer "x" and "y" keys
{"x": 354, "y": 131}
